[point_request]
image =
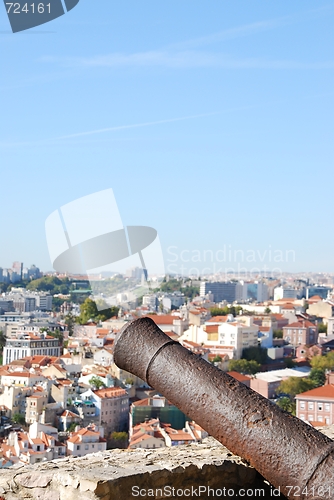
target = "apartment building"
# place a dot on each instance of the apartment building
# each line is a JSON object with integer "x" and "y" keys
{"x": 301, "y": 333}
{"x": 30, "y": 344}
{"x": 316, "y": 405}
{"x": 111, "y": 406}
{"x": 239, "y": 335}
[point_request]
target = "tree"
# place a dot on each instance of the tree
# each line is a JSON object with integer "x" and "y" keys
{"x": 289, "y": 362}
{"x": 295, "y": 385}
{"x": 256, "y": 353}
{"x": 89, "y": 310}
{"x": 2, "y": 340}
{"x": 217, "y": 359}
{"x": 18, "y": 418}
{"x": 97, "y": 382}
{"x": 267, "y": 310}
{"x": 325, "y": 362}
{"x": 70, "y": 322}
{"x": 71, "y": 427}
{"x": 318, "y": 377}
{"x": 322, "y": 328}
{"x": 287, "y": 405}
{"x": 278, "y": 334}
{"x": 118, "y": 440}
{"x": 244, "y": 366}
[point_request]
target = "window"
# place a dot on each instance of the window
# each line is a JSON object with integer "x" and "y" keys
{"x": 302, "y": 405}
{"x": 302, "y": 416}
{"x": 86, "y": 446}
{"x": 310, "y": 406}
{"x": 327, "y": 407}
{"x": 320, "y": 418}
{"x": 78, "y": 447}
{"x": 310, "y": 418}
{"x": 320, "y": 406}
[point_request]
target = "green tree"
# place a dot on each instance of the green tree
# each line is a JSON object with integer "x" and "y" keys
{"x": 118, "y": 440}
{"x": 325, "y": 362}
{"x": 71, "y": 427}
{"x": 295, "y": 385}
{"x": 18, "y": 418}
{"x": 318, "y": 376}
{"x": 278, "y": 334}
{"x": 70, "y": 322}
{"x": 2, "y": 340}
{"x": 256, "y": 353}
{"x": 322, "y": 328}
{"x": 89, "y": 310}
{"x": 287, "y": 405}
{"x": 244, "y": 366}
{"x": 267, "y": 310}
{"x": 289, "y": 362}
{"x": 96, "y": 382}
{"x": 216, "y": 359}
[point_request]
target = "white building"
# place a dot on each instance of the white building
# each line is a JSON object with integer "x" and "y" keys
{"x": 239, "y": 335}
{"x": 30, "y": 344}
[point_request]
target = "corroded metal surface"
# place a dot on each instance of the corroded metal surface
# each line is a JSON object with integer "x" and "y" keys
{"x": 286, "y": 451}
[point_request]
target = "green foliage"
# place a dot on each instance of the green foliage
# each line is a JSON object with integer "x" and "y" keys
{"x": 18, "y": 418}
{"x": 295, "y": 385}
{"x": 96, "y": 382}
{"x": 2, "y": 340}
{"x": 287, "y": 405}
{"x": 234, "y": 310}
{"x": 129, "y": 381}
{"x": 70, "y": 322}
{"x": 89, "y": 310}
{"x": 325, "y": 362}
{"x": 50, "y": 284}
{"x": 118, "y": 440}
{"x": 278, "y": 334}
{"x": 289, "y": 363}
{"x": 71, "y": 427}
{"x": 244, "y": 366}
{"x": 216, "y": 359}
{"x": 256, "y": 353}
{"x": 318, "y": 376}
{"x": 267, "y": 310}
{"x": 56, "y": 334}
{"x": 322, "y": 328}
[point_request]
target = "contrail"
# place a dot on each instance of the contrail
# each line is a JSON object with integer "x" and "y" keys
{"x": 135, "y": 125}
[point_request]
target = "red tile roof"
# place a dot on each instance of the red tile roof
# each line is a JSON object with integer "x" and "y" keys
{"x": 325, "y": 391}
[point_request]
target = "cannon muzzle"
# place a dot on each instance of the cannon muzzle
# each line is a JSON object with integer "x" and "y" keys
{"x": 289, "y": 453}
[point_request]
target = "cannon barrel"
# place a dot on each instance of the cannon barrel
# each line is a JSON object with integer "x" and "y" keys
{"x": 289, "y": 453}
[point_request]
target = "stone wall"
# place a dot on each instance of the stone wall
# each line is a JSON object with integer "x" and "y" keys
{"x": 126, "y": 475}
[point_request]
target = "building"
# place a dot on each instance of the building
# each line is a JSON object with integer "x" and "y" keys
{"x": 85, "y": 441}
{"x": 112, "y": 407}
{"x": 30, "y": 344}
{"x": 157, "y": 407}
{"x": 267, "y": 383}
{"x": 153, "y": 434}
{"x": 239, "y": 335}
{"x": 316, "y": 405}
{"x": 322, "y": 291}
{"x": 224, "y": 290}
{"x": 286, "y": 292}
{"x": 301, "y": 333}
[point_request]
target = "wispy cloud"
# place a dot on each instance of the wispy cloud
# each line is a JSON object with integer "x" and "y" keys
{"x": 116, "y": 128}
{"x": 192, "y": 59}
{"x": 188, "y": 54}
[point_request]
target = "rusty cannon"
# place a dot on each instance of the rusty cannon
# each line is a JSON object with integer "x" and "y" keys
{"x": 289, "y": 453}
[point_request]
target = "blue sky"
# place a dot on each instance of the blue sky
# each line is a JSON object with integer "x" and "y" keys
{"x": 211, "y": 121}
